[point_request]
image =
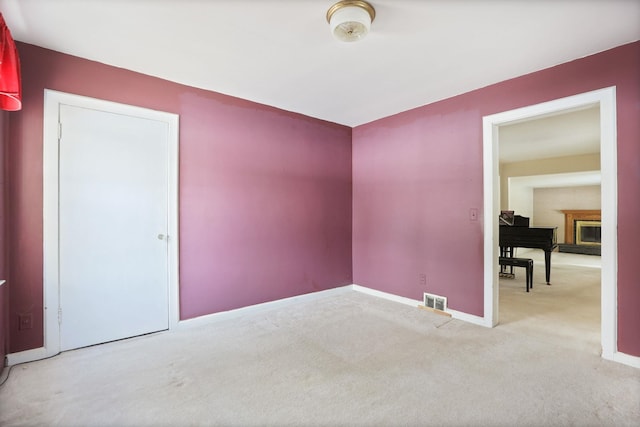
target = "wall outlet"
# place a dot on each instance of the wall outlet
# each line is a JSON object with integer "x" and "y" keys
{"x": 423, "y": 279}
{"x": 25, "y": 321}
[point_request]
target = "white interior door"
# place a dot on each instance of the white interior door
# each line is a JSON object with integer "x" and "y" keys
{"x": 113, "y": 223}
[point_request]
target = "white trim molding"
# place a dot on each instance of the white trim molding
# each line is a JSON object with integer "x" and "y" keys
{"x": 27, "y": 356}
{"x": 626, "y": 359}
{"x": 470, "y": 318}
{"x": 231, "y": 314}
{"x": 606, "y": 100}
{"x": 262, "y": 307}
{"x": 387, "y": 296}
{"x": 41, "y": 353}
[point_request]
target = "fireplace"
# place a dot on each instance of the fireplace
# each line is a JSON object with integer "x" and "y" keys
{"x": 587, "y": 232}
{"x": 582, "y": 232}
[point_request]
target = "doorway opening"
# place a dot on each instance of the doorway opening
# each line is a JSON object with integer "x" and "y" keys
{"x": 549, "y": 165}
{"x": 604, "y": 99}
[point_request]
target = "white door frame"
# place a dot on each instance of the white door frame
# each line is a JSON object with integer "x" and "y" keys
{"x": 606, "y": 99}
{"x": 52, "y": 101}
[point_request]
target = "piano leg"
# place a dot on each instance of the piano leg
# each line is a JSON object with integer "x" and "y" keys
{"x": 547, "y": 266}
{"x": 506, "y": 252}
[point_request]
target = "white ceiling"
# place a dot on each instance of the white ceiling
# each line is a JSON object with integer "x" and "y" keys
{"x": 280, "y": 52}
{"x": 568, "y": 134}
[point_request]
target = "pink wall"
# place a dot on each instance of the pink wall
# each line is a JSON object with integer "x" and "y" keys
{"x": 265, "y": 195}
{"x": 265, "y": 206}
{"x": 266, "y": 199}
{"x": 417, "y": 174}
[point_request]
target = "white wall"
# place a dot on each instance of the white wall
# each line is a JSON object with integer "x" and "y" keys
{"x": 549, "y": 203}
{"x": 521, "y": 198}
{"x": 556, "y": 165}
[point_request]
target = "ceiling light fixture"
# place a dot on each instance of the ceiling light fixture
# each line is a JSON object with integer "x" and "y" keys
{"x": 350, "y": 20}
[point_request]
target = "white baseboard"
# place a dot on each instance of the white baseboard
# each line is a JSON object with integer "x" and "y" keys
{"x": 387, "y": 296}
{"x": 470, "y": 318}
{"x": 27, "y": 356}
{"x": 41, "y": 352}
{"x": 231, "y": 314}
{"x": 414, "y": 302}
{"x": 626, "y": 359}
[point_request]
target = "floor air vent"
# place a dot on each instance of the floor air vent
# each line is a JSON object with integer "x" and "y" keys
{"x": 435, "y": 301}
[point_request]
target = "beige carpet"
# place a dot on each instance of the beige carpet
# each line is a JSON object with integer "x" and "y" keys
{"x": 567, "y": 312}
{"x": 349, "y": 359}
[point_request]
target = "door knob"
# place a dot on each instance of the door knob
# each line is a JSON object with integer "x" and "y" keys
{"x": 162, "y": 237}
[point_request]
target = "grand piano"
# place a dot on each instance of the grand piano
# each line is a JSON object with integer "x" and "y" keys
{"x": 516, "y": 233}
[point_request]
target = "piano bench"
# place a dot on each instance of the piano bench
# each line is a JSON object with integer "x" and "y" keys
{"x": 527, "y": 263}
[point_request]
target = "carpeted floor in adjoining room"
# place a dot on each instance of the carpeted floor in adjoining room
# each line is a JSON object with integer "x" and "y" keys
{"x": 568, "y": 310}
{"x": 345, "y": 359}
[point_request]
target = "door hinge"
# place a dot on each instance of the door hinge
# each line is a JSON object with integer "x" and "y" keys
{"x": 59, "y": 131}
{"x": 59, "y": 316}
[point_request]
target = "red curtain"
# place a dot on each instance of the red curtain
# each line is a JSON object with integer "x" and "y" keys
{"x": 10, "y": 87}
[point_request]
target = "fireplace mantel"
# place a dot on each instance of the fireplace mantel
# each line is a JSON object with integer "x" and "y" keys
{"x": 577, "y": 215}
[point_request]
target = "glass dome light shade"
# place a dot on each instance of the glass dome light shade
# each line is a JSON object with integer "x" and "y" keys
{"x": 350, "y": 20}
